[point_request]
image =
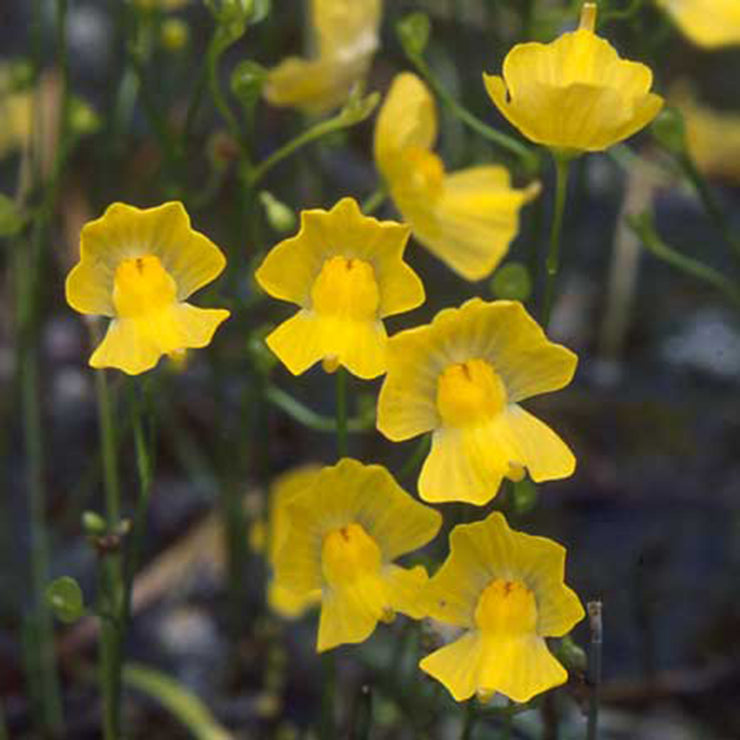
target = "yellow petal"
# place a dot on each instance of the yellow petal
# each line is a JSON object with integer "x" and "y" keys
{"x": 346, "y": 28}
{"x": 464, "y": 465}
{"x": 135, "y": 345}
{"x": 472, "y": 222}
{"x": 289, "y": 604}
{"x": 306, "y": 338}
{"x": 370, "y": 495}
{"x": 540, "y": 450}
{"x": 315, "y": 86}
{"x": 708, "y": 23}
{"x": 456, "y": 666}
{"x": 347, "y": 37}
{"x": 519, "y": 668}
{"x": 126, "y": 232}
{"x": 407, "y": 119}
{"x": 405, "y": 590}
{"x": 349, "y": 615}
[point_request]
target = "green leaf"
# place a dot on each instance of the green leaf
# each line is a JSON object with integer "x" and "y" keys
{"x": 64, "y": 596}
{"x": 180, "y": 702}
{"x": 413, "y": 33}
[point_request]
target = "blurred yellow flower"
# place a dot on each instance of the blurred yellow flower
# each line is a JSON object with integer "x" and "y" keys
{"x": 712, "y": 136}
{"x": 138, "y": 267}
{"x": 344, "y": 532}
{"x": 271, "y": 538}
{"x": 346, "y": 272}
{"x": 575, "y": 94}
{"x": 16, "y": 114}
{"x": 505, "y": 590}
{"x": 463, "y": 377}
{"x": 466, "y": 218}
{"x": 708, "y": 23}
{"x": 346, "y": 37}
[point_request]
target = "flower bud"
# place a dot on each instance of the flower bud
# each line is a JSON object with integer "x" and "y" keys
{"x": 93, "y": 524}
{"x": 511, "y": 282}
{"x": 247, "y": 81}
{"x": 413, "y": 33}
{"x": 280, "y": 217}
{"x": 175, "y": 34}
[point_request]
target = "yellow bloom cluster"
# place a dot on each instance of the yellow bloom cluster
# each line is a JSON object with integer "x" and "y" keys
{"x": 334, "y": 534}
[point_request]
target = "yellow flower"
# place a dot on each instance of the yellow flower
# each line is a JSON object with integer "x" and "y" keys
{"x": 708, "y": 23}
{"x": 505, "y": 590}
{"x": 466, "y": 218}
{"x": 16, "y": 114}
{"x": 346, "y": 272}
{"x": 139, "y": 267}
{"x": 575, "y": 94}
{"x": 463, "y": 377}
{"x": 712, "y": 136}
{"x": 346, "y": 39}
{"x": 285, "y": 488}
{"x": 344, "y": 533}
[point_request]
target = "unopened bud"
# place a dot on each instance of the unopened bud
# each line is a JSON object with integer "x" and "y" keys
{"x": 413, "y": 32}
{"x": 281, "y": 217}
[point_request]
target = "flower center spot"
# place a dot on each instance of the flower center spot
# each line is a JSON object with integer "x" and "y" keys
{"x": 469, "y": 392}
{"x": 348, "y": 554}
{"x": 142, "y": 286}
{"x": 346, "y": 288}
{"x": 506, "y": 608}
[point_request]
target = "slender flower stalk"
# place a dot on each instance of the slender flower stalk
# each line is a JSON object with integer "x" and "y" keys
{"x": 341, "y": 413}
{"x": 111, "y": 577}
{"x": 594, "y": 667}
{"x": 562, "y": 169}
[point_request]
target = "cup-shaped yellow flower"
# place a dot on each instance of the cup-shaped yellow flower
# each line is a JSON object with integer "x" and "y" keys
{"x": 346, "y": 272}
{"x": 345, "y": 531}
{"x": 139, "y": 266}
{"x": 505, "y": 590}
{"x": 463, "y": 378}
{"x": 346, "y": 37}
{"x": 271, "y": 538}
{"x": 467, "y": 218}
{"x": 708, "y": 23}
{"x": 575, "y": 94}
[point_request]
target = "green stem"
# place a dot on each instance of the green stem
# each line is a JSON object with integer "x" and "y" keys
{"x": 328, "y": 695}
{"x": 471, "y": 717}
{"x": 644, "y": 228}
{"x": 111, "y": 579}
{"x": 374, "y": 201}
{"x": 341, "y": 412}
{"x": 594, "y": 668}
{"x": 709, "y": 200}
{"x": 415, "y": 458}
{"x": 552, "y": 264}
{"x": 529, "y": 159}
{"x": 349, "y": 116}
{"x": 308, "y": 417}
{"x": 143, "y": 443}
